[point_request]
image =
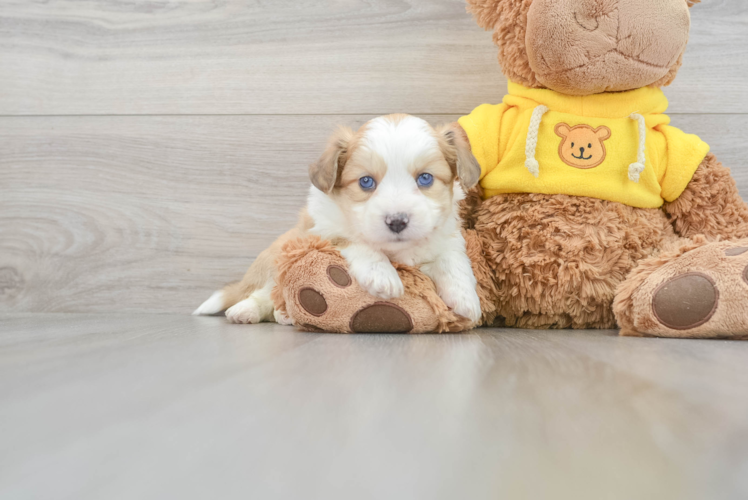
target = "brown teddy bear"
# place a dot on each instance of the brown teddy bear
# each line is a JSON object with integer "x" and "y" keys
{"x": 592, "y": 211}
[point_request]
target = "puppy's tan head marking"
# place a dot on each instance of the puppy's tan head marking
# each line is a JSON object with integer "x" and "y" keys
{"x": 325, "y": 172}
{"x": 455, "y": 147}
{"x": 362, "y": 162}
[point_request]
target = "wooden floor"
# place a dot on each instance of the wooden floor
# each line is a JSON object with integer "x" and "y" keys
{"x": 164, "y": 406}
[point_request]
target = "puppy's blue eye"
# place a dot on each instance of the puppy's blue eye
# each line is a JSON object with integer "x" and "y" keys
{"x": 425, "y": 180}
{"x": 367, "y": 183}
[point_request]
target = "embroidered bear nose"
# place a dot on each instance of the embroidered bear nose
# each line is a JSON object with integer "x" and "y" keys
{"x": 581, "y": 149}
{"x": 397, "y": 223}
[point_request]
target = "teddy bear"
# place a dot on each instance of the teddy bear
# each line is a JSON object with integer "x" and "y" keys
{"x": 592, "y": 211}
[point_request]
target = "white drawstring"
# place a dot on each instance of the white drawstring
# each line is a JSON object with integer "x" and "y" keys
{"x": 635, "y": 169}
{"x": 532, "y": 140}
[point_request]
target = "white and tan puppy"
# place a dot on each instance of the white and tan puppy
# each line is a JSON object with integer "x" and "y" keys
{"x": 388, "y": 192}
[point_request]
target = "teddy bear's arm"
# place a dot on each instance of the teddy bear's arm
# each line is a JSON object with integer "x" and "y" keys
{"x": 711, "y": 204}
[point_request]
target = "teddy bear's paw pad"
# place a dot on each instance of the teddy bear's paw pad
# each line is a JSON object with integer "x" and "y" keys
{"x": 686, "y": 301}
{"x": 339, "y": 276}
{"x": 734, "y": 252}
{"x": 381, "y": 317}
{"x": 312, "y": 301}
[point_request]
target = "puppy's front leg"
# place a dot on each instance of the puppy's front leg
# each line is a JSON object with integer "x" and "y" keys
{"x": 455, "y": 283}
{"x": 373, "y": 271}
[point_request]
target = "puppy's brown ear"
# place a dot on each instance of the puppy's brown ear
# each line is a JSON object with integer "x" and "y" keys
{"x": 324, "y": 172}
{"x": 455, "y": 146}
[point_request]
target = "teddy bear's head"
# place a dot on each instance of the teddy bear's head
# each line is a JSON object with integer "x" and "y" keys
{"x": 583, "y": 47}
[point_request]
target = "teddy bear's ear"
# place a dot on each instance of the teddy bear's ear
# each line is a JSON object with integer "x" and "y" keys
{"x": 324, "y": 172}
{"x": 691, "y": 3}
{"x": 486, "y": 12}
{"x": 603, "y": 133}
{"x": 562, "y": 130}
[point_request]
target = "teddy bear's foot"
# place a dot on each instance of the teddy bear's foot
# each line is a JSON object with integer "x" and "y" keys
{"x": 316, "y": 290}
{"x": 699, "y": 292}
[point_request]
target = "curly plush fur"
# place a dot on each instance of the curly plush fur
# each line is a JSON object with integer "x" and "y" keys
{"x": 711, "y": 205}
{"x": 508, "y": 20}
{"x": 556, "y": 261}
{"x": 488, "y": 292}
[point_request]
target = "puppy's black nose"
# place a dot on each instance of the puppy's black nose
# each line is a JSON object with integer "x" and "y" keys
{"x": 397, "y": 223}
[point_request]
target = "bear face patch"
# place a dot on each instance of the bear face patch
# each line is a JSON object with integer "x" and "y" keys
{"x": 582, "y": 146}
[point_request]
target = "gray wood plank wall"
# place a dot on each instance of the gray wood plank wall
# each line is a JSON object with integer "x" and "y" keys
{"x": 150, "y": 150}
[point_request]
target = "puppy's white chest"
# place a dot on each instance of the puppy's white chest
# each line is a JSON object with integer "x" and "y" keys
{"x": 415, "y": 257}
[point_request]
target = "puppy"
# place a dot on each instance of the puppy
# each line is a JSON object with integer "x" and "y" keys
{"x": 388, "y": 192}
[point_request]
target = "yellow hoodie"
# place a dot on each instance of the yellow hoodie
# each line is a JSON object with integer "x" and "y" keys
{"x": 613, "y": 146}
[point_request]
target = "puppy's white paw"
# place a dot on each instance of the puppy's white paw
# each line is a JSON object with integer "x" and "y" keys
{"x": 379, "y": 279}
{"x": 282, "y": 319}
{"x": 245, "y": 312}
{"x": 463, "y": 301}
